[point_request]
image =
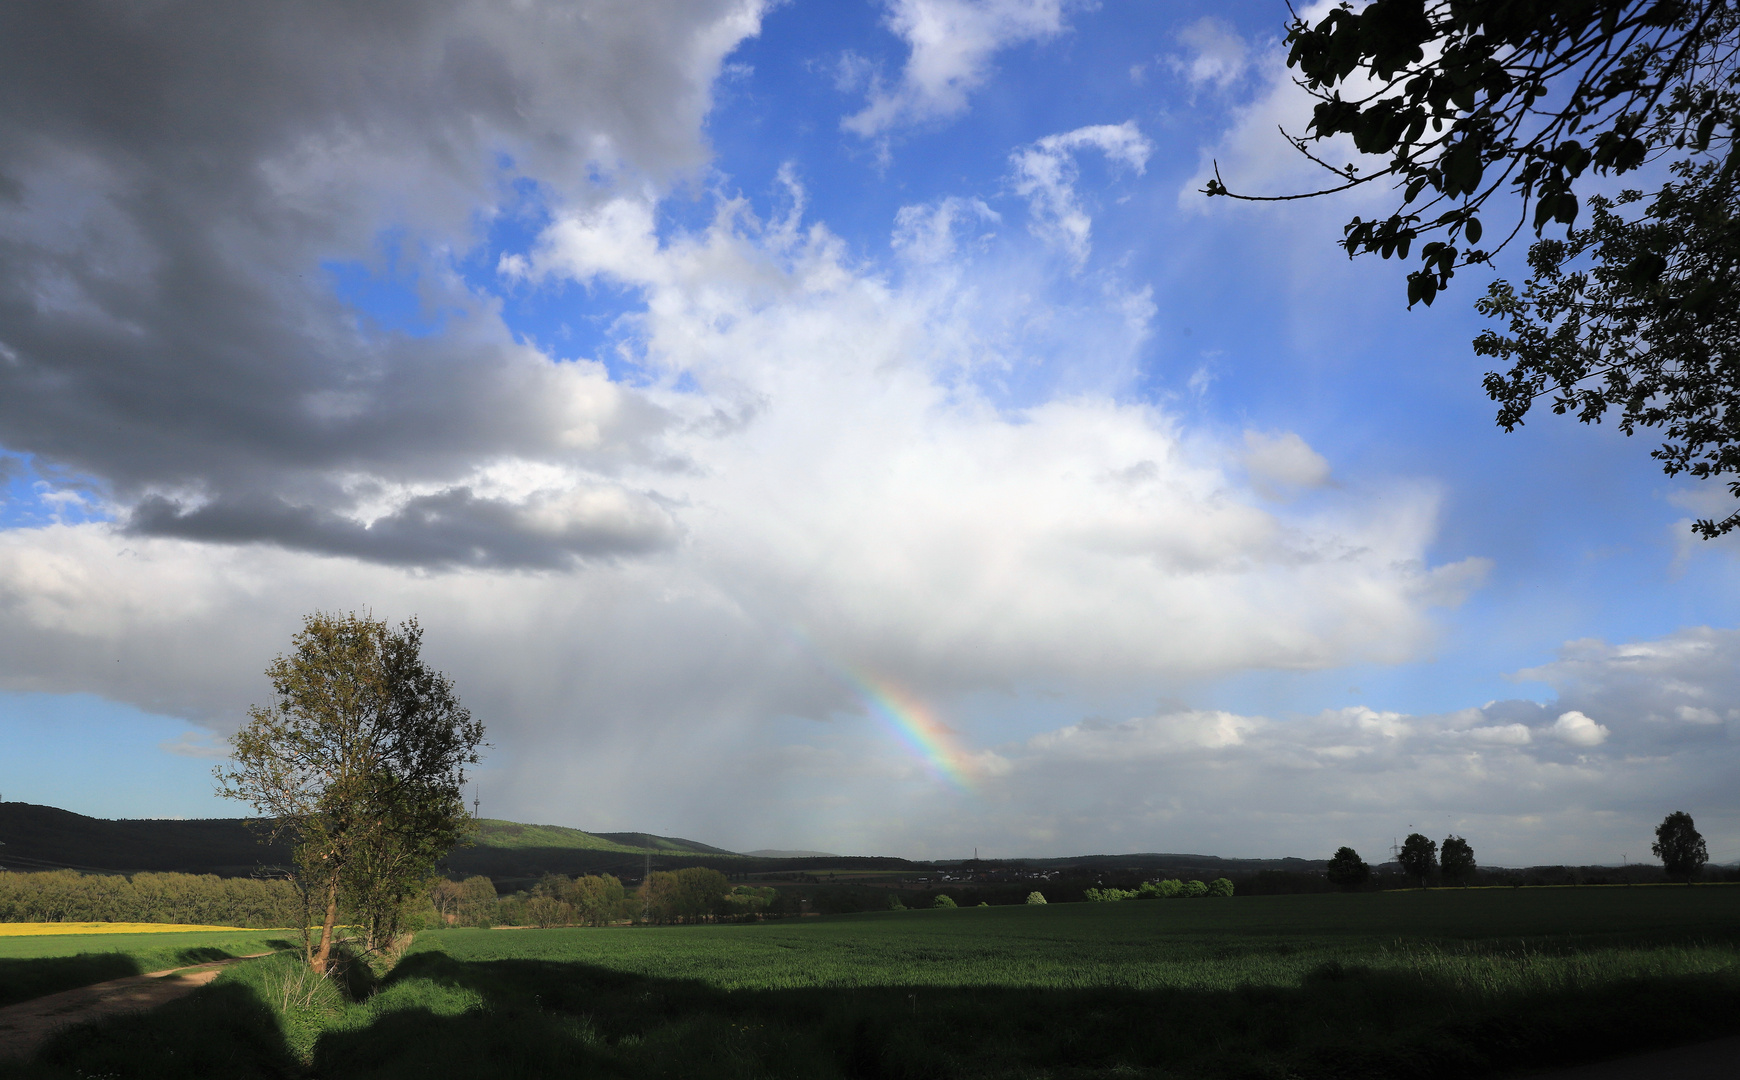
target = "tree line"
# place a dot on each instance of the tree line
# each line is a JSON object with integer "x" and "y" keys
{"x": 193, "y": 899}
{"x": 693, "y": 894}
{"x": 1168, "y": 889}
{"x": 1678, "y": 844}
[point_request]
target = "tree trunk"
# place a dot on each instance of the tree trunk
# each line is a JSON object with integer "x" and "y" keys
{"x": 324, "y": 953}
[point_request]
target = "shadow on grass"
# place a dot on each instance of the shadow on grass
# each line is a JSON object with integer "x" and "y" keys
{"x": 206, "y": 954}
{"x": 21, "y": 980}
{"x": 440, "y": 1017}
{"x": 537, "y": 1017}
{"x": 24, "y": 979}
{"x": 217, "y": 1031}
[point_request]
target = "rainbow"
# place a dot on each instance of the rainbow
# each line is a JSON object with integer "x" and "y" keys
{"x": 907, "y": 718}
{"x": 914, "y": 726}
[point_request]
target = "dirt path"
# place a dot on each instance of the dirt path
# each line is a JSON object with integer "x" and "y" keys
{"x": 26, "y": 1025}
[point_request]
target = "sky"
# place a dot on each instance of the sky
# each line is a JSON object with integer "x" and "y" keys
{"x": 831, "y": 424}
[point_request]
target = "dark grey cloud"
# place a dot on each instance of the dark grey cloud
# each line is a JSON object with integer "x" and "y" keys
{"x": 451, "y": 528}
{"x": 172, "y": 178}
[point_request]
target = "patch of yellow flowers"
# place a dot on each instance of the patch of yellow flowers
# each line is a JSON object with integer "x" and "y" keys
{"x": 32, "y": 929}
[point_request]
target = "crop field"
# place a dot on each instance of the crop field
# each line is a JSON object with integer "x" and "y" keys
{"x": 1252, "y": 941}
{"x": 1447, "y": 983}
{"x": 35, "y": 964}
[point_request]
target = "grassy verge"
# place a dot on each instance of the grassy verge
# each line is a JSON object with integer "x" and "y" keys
{"x": 31, "y": 966}
{"x": 1450, "y": 984}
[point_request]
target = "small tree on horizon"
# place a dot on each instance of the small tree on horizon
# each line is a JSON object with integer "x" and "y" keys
{"x": 1036, "y": 897}
{"x": 1346, "y": 870}
{"x": 1680, "y": 847}
{"x": 1419, "y": 857}
{"x": 1456, "y": 860}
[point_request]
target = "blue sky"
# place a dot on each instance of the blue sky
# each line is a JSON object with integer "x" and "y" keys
{"x": 625, "y": 359}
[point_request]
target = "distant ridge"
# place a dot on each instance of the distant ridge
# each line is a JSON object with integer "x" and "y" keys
{"x": 640, "y": 841}
{"x": 776, "y": 853}
{"x": 514, "y": 836}
{"x": 48, "y": 838}
{"x": 1154, "y": 860}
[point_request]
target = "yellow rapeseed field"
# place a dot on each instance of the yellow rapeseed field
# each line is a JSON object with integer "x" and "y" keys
{"x": 32, "y": 929}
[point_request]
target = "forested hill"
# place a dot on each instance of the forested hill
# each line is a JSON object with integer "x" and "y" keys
{"x": 48, "y": 838}
{"x": 514, "y": 836}
{"x": 641, "y": 841}
{"x": 45, "y": 837}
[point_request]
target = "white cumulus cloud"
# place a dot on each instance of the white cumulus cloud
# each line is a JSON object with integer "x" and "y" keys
{"x": 1216, "y": 53}
{"x": 951, "y": 45}
{"x": 1578, "y": 730}
{"x": 1045, "y": 174}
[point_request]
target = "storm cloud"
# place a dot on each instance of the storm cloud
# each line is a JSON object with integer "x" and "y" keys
{"x": 178, "y": 178}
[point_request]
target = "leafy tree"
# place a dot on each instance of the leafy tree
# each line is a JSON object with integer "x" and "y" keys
{"x": 1108, "y": 895}
{"x": 445, "y": 898}
{"x": 1680, "y": 846}
{"x": 1036, "y": 897}
{"x": 1347, "y": 870}
{"x": 547, "y": 911}
{"x": 749, "y": 899}
{"x": 1419, "y": 857}
{"x": 943, "y": 900}
{"x": 687, "y": 895}
{"x": 599, "y": 899}
{"x": 1194, "y": 888}
{"x": 1220, "y": 887}
{"x": 462, "y": 903}
{"x": 1473, "y": 106}
{"x": 1456, "y": 860}
{"x": 477, "y": 905}
{"x": 360, "y": 760}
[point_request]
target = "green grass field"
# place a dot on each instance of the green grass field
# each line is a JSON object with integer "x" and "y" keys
{"x": 1257, "y": 941}
{"x": 32, "y": 966}
{"x": 1437, "y": 984}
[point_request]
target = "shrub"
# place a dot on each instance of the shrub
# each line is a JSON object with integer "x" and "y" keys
{"x": 1036, "y": 897}
{"x": 1220, "y": 887}
{"x": 749, "y": 900}
{"x": 894, "y": 903}
{"x": 1108, "y": 895}
{"x": 944, "y": 900}
{"x": 1169, "y": 888}
{"x": 1195, "y": 888}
